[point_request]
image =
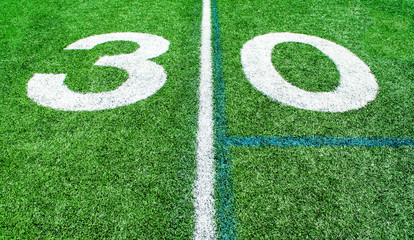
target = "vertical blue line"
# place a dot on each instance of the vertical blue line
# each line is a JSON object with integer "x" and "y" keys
{"x": 226, "y": 216}
{"x": 225, "y": 203}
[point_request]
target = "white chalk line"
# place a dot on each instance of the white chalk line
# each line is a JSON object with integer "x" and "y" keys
{"x": 204, "y": 185}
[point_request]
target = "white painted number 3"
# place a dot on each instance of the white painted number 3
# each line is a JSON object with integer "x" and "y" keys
{"x": 356, "y": 88}
{"x": 145, "y": 77}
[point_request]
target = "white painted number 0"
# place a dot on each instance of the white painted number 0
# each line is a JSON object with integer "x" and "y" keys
{"x": 145, "y": 77}
{"x": 357, "y": 85}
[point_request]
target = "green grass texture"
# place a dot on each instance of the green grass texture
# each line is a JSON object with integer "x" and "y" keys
{"x": 322, "y": 192}
{"x": 379, "y": 33}
{"x": 128, "y": 173}
{"x": 125, "y": 173}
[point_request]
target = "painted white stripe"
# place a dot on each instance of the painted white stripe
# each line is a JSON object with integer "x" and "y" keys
{"x": 204, "y": 184}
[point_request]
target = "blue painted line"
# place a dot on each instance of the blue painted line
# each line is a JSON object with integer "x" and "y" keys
{"x": 317, "y": 141}
{"x": 225, "y": 207}
{"x": 226, "y": 218}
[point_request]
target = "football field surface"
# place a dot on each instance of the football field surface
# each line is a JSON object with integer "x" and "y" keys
{"x": 207, "y": 119}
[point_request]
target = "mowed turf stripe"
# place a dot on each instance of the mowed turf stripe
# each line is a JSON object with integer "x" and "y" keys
{"x": 317, "y": 141}
{"x": 204, "y": 185}
{"x": 226, "y": 215}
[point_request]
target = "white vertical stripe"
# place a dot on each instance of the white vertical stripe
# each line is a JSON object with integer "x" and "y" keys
{"x": 204, "y": 184}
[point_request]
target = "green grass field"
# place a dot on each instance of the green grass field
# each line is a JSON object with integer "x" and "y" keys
{"x": 360, "y": 26}
{"x": 129, "y": 172}
{"x": 125, "y": 173}
{"x": 322, "y": 192}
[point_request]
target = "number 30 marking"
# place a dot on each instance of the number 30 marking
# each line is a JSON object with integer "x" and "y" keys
{"x": 356, "y": 88}
{"x": 145, "y": 77}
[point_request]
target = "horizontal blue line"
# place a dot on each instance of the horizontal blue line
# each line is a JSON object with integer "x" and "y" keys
{"x": 317, "y": 141}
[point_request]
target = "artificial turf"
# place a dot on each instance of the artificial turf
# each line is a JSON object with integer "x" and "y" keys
{"x": 323, "y": 192}
{"x": 125, "y": 173}
{"x": 128, "y": 173}
{"x": 356, "y": 25}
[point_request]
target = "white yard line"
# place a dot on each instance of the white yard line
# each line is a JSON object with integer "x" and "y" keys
{"x": 204, "y": 185}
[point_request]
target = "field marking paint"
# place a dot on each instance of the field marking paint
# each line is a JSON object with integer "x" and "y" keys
{"x": 145, "y": 77}
{"x": 357, "y": 85}
{"x": 49, "y": 90}
{"x": 227, "y": 226}
{"x": 318, "y": 141}
{"x": 225, "y": 206}
{"x": 205, "y": 227}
